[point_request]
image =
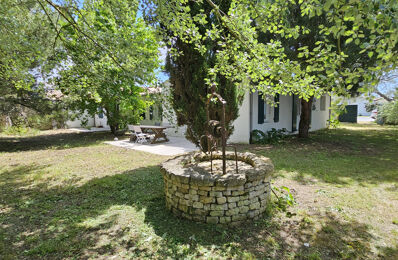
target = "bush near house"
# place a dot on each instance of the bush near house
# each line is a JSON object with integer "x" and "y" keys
{"x": 388, "y": 113}
{"x": 27, "y": 121}
{"x": 271, "y": 137}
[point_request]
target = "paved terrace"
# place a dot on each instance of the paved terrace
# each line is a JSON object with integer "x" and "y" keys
{"x": 176, "y": 145}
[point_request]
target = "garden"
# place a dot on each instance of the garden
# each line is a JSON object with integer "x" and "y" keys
{"x": 68, "y": 195}
{"x": 256, "y": 86}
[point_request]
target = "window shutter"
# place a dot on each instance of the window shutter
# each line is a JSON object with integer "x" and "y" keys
{"x": 260, "y": 109}
{"x": 276, "y": 109}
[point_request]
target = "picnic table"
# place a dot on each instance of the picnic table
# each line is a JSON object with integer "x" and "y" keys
{"x": 157, "y": 130}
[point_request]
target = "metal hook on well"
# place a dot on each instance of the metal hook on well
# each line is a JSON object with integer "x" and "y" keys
{"x": 216, "y": 129}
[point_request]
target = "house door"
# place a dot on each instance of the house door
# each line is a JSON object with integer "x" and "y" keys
{"x": 295, "y": 104}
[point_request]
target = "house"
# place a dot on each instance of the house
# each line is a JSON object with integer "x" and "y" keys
{"x": 154, "y": 115}
{"x": 87, "y": 121}
{"x": 254, "y": 113}
{"x": 359, "y": 102}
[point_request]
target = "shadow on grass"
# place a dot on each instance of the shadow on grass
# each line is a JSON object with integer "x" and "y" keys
{"x": 119, "y": 213}
{"x": 338, "y": 156}
{"x": 53, "y": 141}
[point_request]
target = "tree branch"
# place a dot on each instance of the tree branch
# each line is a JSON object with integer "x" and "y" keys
{"x": 73, "y": 23}
{"x": 383, "y": 95}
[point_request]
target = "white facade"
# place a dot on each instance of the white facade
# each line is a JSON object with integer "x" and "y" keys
{"x": 173, "y": 130}
{"x": 360, "y": 101}
{"x": 242, "y": 123}
{"x": 78, "y": 122}
{"x": 320, "y": 115}
{"x": 249, "y": 113}
{"x": 248, "y": 118}
{"x": 285, "y": 114}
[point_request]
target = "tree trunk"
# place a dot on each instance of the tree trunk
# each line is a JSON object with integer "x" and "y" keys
{"x": 305, "y": 118}
{"x": 114, "y": 128}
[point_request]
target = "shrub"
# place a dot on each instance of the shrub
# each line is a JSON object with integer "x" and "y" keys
{"x": 258, "y": 137}
{"x": 29, "y": 119}
{"x": 20, "y": 131}
{"x": 388, "y": 113}
{"x": 370, "y": 107}
{"x": 45, "y": 122}
{"x": 271, "y": 137}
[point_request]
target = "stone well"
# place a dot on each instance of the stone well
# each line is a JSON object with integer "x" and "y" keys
{"x": 193, "y": 192}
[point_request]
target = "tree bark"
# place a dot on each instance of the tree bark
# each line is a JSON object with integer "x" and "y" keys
{"x": 383, "y": 96}
{"x": 305, "y": 118}
{"x": 114, "y": 128}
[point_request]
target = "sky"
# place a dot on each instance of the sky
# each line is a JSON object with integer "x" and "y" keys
{"x": 161, "y": 75}
{"x": 389, "y": 86}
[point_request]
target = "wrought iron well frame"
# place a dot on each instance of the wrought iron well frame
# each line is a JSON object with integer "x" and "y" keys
{"x": 211, "y": 139}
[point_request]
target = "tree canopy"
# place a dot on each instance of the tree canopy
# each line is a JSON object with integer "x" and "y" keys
{"x": 188, "y": 74}
{"x": 98, "y": 53}
{"x": 355, "y": 42}
{"x": 104, "y": 51}
{"x": 106, "y": 67}
{"x": 26, "y": 51}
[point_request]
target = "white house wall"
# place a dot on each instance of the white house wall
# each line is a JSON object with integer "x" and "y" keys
{"x": 242, "y": 123}
{"x": 101, "y": 121}
{"x": 285, "y": 114}
{"x": 319, "y": 118}
{"x": 77, "y": 123}
{"x": 173, "y": 130}
{"x": 361, "y": 102}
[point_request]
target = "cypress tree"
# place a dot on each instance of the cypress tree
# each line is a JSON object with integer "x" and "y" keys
{"x": 188, "y": 87}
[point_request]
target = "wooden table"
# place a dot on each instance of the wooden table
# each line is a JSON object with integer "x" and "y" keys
{"x": 157, "y": 130}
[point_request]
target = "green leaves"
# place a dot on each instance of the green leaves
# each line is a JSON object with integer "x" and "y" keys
{"x": 107, "y": 67}
{"x": 348, "y": 40}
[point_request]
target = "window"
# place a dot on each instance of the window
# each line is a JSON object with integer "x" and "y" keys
{"x": 314, "y": 104}
{"x": 265, "y": 111}
{"x": 151, "y": 113}
{"x": 261, "y": 109}
{"x": 276, "y": 109}
{"x": 323, "y": 103}
{"x": 100, "y": 113}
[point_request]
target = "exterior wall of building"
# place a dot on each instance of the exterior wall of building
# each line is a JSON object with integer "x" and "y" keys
{"x": 77, "y": 123}
{"x": 319, "y": 117}
{"x": 361, "y": 102}
{"x": 285, "y": 114}
{"x": 241, "y": 134}
{"x": 101, "y": 120}
{"x": 242, "y": 123}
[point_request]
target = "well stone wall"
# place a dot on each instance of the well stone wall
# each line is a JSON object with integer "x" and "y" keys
{"x": 194, "y": 193}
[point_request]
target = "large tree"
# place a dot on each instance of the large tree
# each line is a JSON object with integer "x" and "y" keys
{"x": 306, "y": 49}
{"x": 26, "y": 54}
{"x": 109, "y": 53}
{"x": 326, "y": 65}
{"x": 188, "y": 73}
{"x": 99, "y": 53}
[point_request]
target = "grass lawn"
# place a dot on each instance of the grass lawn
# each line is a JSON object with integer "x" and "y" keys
{"x": 68, "y": 195}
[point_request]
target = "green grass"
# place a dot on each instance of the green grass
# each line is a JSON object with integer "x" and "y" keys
{"x": 67, "y": 195}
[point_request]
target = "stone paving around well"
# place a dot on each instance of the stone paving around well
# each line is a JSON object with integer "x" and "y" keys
{"x": 176, "y": 145}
